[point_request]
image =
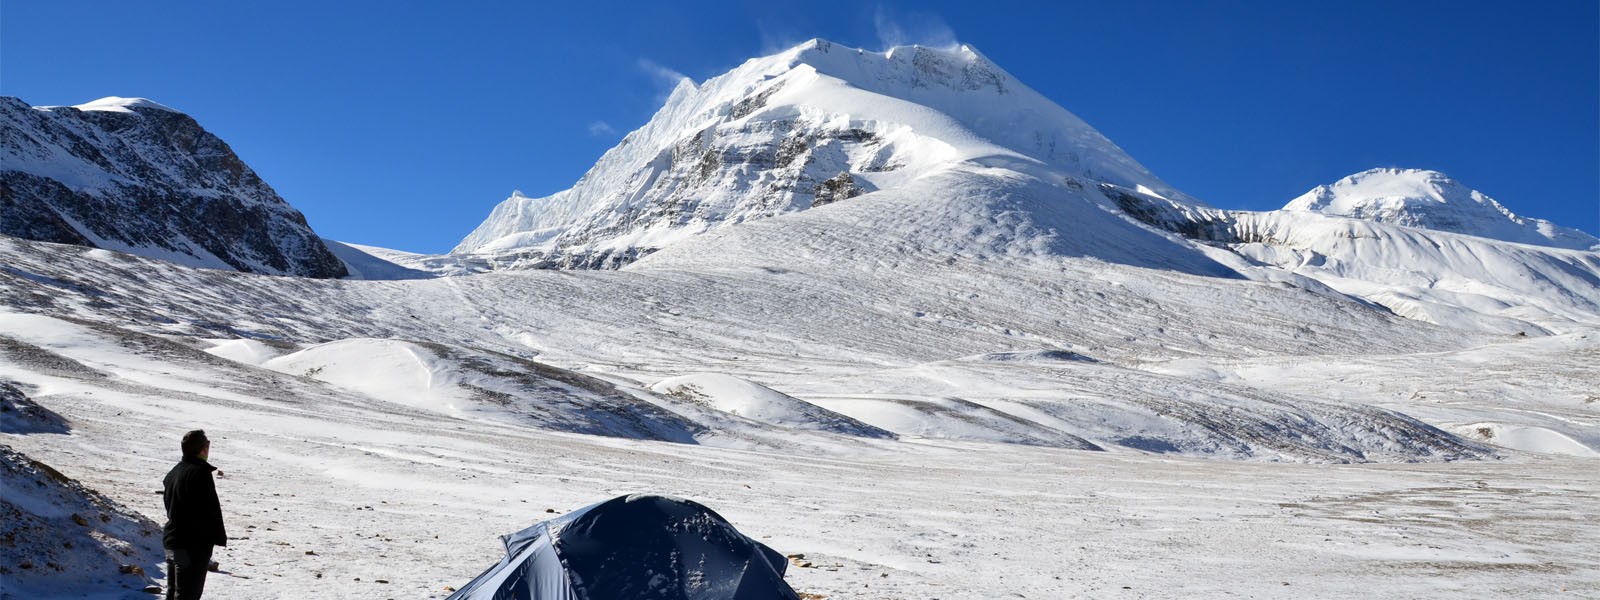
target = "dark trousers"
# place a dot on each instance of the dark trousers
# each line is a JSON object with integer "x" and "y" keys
{"x": 186, "y": 572}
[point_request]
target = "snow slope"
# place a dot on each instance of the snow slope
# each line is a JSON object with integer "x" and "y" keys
{"x": 331, "y": 494}
{"x": 760, "y": 403}
{"x": 871, "y": 343}
{"x": 478, "y": 385}
{"x": 1453, "y": 279}
{"x": 1467, "y": 282}
{"x": 1432, "y": 200}
{"x": 62, "y": 539}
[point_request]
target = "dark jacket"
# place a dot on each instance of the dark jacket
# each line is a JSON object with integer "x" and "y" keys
{"x": 194, "y": 515}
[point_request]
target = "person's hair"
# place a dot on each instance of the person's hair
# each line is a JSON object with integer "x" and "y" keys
{"x": 194, "y": 442}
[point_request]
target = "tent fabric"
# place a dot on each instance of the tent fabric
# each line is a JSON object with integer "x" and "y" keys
{"x": 629, "y": 548}
{"x": 530, "y": 571}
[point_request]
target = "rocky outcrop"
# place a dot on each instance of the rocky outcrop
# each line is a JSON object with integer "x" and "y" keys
{"x": 134, "y": 176}
{"x": 839, "y": 187}
{"x": 58, "y": 538}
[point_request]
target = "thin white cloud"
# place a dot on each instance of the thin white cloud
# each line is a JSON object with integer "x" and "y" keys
{"x": 777, "y": 36}
{"x": 664, "y": 76}
{"x": 601, "y": 129}
{"x": 912, "y": 28}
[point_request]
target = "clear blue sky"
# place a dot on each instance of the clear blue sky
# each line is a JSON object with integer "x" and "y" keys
{"x": 402, "y": 124}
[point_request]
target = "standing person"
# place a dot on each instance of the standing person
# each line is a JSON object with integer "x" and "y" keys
{"x": 194, "y": 519}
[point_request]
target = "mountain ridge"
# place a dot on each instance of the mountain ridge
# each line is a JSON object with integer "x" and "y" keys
{"x": 132, "y": 175}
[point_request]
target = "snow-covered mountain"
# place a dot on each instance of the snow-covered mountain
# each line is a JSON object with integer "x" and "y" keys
{"x": 816, "y": 125}
{"x": 1489, "y": 276}
{"x": 897, "y": 313}
{"x": 1432, "y": 200}
{"x": 942, "y": 154}
{"x": 131, "y": 175}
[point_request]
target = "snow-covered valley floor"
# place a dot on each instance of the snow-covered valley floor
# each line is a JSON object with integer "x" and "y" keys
{"x": 377, "y": 436}
{"x": 383, "y": 505}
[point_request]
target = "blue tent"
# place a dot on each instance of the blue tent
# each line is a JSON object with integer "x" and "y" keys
{"x": 631, "y": 548}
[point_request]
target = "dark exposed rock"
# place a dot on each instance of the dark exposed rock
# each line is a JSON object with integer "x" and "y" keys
{"x": 606, "y": 260}
{"x": 151, "y": 181}
{"x": 839, "y": 187}
{"x": 747, "y": 106}
{"x": 1204, "y": 225}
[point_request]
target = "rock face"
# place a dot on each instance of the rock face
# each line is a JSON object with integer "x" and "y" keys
{"x": 134, "y": 176}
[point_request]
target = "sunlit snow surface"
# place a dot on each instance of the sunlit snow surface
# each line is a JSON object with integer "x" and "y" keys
{"x": 989, "y": 375}
{"x": 374, "y": 440}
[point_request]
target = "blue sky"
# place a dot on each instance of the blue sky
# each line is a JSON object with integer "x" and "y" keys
{"x": 402, "y": 124}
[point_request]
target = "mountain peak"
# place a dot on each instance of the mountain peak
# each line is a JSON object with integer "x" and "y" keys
{"x": 811, "y": 125}
{"x": 124, "y": 105}
{"x": 1426, "y": 199}
{"x": 958, "y": 67}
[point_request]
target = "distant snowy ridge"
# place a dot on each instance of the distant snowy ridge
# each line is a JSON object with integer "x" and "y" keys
{"x": 811, "y": 126}
{"x": 1432, "y": 200}
{"x": 132, "y": 175}
{"x": 1415, "y": 242}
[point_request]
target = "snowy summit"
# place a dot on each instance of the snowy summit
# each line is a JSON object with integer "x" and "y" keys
{"x": 120, "y": 104}
{"x": 817, "y": 124}
{"x": 1432, "y": 200}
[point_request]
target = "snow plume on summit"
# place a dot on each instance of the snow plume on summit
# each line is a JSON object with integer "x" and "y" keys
{"x": 808, "y": 127}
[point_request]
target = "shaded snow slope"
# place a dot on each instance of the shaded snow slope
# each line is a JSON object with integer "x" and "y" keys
{"x": 20, "y": 414}
{"x": 1432, "y": 200}
{"x": 59, "y": 538}
{"x": 134, "y": 176}
{"x": 1534, "y": 394}
{"x": 462, "y": 383}
{"x": 1118, "y": 408}
{"x": 760, "y": 403}
{"x": 816, "y": 125}
{"x": 365, "y": 263}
